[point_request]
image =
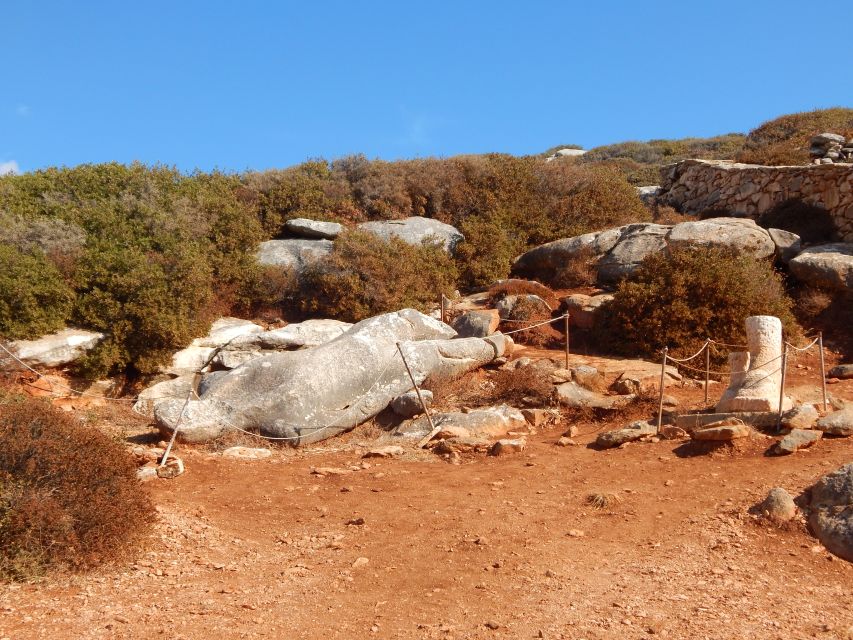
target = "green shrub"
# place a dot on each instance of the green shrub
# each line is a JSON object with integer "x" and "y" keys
{"x": 786, "y": 140}
{"x": 69, "y": 497}
{"x": 365, "y": 276}
{"x": 34, "y": 297}
{"x": 681, "y": 299}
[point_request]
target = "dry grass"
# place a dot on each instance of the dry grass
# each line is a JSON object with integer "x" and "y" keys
{"x": 515, "y": 287}
{"x": 69, "y": 497}
{"x": 602, "y": 500}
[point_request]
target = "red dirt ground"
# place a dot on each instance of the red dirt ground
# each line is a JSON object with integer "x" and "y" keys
{"x": 490, "y": 548}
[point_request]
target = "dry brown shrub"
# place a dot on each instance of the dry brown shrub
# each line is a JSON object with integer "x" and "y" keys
{"x": 526, "y": 385}
{"x": 580, "y": 270}
{"x": 664, "y": 214}
{"x": 69, "y": 497}
{"x": 528, "y": 313}
{"x": 516, "y": 286}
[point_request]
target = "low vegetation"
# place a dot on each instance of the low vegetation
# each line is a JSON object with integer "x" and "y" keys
{"x": 365, "y": 276}
{"x": 678, "y": 301}
{"x": 785, "y": 140}
{"x": 69, "y": 497}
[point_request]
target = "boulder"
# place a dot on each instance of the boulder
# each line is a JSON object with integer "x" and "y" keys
{"x": 788, "y": 245}
{"x": 584, "y": 311}
{"x": 778, "y": 506}
{"x": 802, "y": 417}
{"x": 636, "y": 242}
{"x": 175, "y": 388}
{"x": 826, "y": 265}
{"x": 588, "y": 377}
{"x": 739, "y": 234}
{"x": 483, "y": 423}
{"x": 797, "y": 439}
{"x": 649, "y": 193}
{"x": 724, "y": 431}
{"x": 415, "y": 230}
{"x": 831, "y": 511}
{"x": 199, "y": 354}
{"x": 571, "y": 394}
{"x": 569, "y": 153}
{"x": 315, "y": 229}
{"x": 312, "y": 394}
{"x": 408, "y": 405}
{"x": 508, "y": 446}
{"x": 632, "y": 432}
{"x": 293, "y": 254}
{"x": 53, "y": 350}
{"x": 506, "y": 304}
{"x": 477, "y": 324}
{"x": 842, "y": 371}
{"x": 837, "y": 423}
{"x": 827, "y": 139}
{"x": 549, "y": 258}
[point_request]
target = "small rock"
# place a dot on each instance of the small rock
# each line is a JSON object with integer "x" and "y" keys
{"x": 778, "y": 506}
{"x": 389, "y": 451}
{"x": 246, "y": 453}
{"x": 575, "y": 533}
{"x": 508, "y": 447}
{"x": 796, "y": 440}
{"x": 144, "y": 474}
{"x": 572, "y": 432}
{"x": 837, "y": 423}
{"x": 360, "y": 562}
{"x": 671, "y": 432}
{"x": 723, "y": 431}
{"x": 355, "y": 522}
{"x": 172, "y": 469}
{"x": 842, "y": 371}
{"x": 802, "y": 417}
{"x": 634, "y": 431}
{"x": 566, "y": 442}
{"x": 535, "y": 417}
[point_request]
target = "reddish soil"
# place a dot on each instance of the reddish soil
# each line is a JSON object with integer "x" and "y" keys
{"x": 490, "y": 548}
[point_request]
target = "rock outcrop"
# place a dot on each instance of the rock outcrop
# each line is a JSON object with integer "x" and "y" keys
{"x": 53, "y": 350}
{"x": 312, "y": 394}
{"x": 415, "y": 230}
{"x": 616, "y": 253}
{"x": 831, "y": 511}
{"x": 294, "y": 254}
{"x": 826, "y": 265}
{"x": 314, "y": 229}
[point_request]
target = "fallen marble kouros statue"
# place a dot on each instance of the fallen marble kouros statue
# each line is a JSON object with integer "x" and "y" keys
{"x": 309, "y": 395}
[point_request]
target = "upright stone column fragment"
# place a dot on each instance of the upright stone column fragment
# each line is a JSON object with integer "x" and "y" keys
{"x": 759, "y": 387}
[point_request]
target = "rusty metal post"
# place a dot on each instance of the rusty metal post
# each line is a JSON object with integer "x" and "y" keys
{"x": 662, "y": 378}
{"x": 782, "y": 389}
{"x": 567, "y": 340}
{"x": 822, "y": 368}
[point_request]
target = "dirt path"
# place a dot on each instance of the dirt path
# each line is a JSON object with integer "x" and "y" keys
{"x": 490, "y": 548}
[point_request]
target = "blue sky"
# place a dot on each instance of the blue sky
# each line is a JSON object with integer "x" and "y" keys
{"x": 268, "y": 84}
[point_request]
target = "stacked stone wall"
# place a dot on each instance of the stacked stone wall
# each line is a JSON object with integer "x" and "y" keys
{"x": 728, "y": 188}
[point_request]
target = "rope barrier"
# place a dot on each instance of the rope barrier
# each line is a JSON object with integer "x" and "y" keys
{"x": 695, "y": 355}
{"x": 726, "y": 344}
{"x": 539, "y": 324}
{"x": 807, "y": 347}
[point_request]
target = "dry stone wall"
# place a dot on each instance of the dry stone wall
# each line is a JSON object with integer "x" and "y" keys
{"x": 695, "y": 186}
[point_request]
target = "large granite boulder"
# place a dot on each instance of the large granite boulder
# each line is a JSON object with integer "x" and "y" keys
{"x": 584, "y": 311}
{"x": 309, "y": 395}
{"x": 826, "y": 265}
{"x": 294, "y": 254}
{"x": 54, "y": 350}
{"x": 477, "y": 324}
{"x": 837, "y": 423}
{"x": 788, "y": 245}
{"x": 636, "y": 242}
{"x": 314, "y": 229}
{"x": 300, "y": 335}
{"x": 200, "y": 351}
{"x": 831, "y": 511}
{"x": 415, "y": 230}
{"x": 739, "y": 234}
{"x": 618, "y": 252}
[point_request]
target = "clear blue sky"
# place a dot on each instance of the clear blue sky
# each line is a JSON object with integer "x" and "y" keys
{"x": 252, "y": 84}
